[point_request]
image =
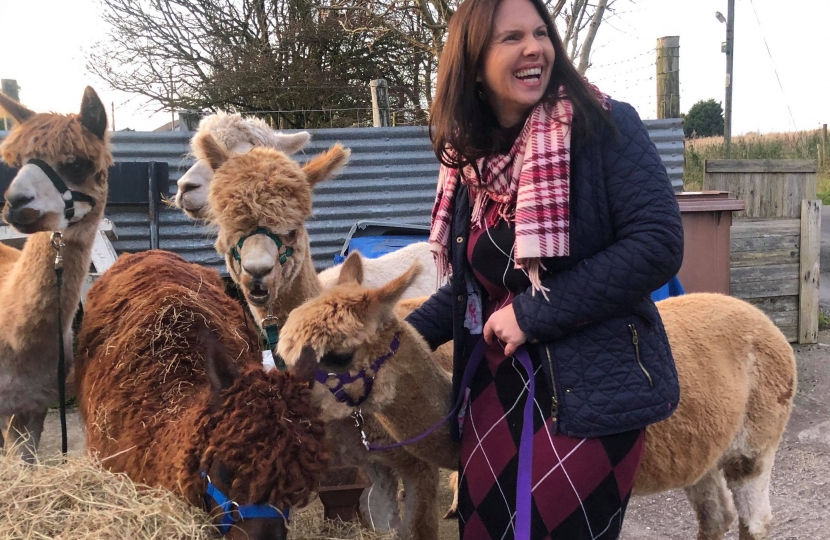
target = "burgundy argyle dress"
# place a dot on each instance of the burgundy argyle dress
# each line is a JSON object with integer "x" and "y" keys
{"x": 580, "y": 486}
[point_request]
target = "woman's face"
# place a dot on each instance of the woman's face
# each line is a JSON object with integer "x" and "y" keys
{"x": 518, "y": 61}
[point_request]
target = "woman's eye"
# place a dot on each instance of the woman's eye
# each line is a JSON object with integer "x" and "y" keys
{"x": 542, "y": 33}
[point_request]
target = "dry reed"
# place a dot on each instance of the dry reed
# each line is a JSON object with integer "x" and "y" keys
{"x": 794, "y": 145}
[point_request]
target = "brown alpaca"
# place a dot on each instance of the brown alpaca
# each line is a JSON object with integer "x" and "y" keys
{"x": 264, "y": 189}
{"x": 411, "y": 391}
{"x": 169, "y": 387}
{"x": 74, "y": 146}
{"x": 737, "y": 378}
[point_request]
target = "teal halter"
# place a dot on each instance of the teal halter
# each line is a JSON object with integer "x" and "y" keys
{"x": 284, "y": 251}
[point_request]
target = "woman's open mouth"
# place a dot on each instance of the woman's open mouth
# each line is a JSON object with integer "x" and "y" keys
{"x": 530, "y": 76}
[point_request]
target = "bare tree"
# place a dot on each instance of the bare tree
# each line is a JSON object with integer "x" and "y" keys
{"x": 253, "y": 56}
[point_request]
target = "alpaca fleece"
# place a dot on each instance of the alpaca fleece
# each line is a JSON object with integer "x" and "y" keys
{"x": 146, "y": 398}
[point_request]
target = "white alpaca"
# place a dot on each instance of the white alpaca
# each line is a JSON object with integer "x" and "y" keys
{"x": 387, "y": 267}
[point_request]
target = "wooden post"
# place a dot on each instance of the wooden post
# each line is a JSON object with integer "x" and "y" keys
{"x": 380, "y": 103}
{"x": 155, "y": 203}
{"x": 808, "y": 293}
{"x": 668, "y": 77}
{"x": 730, "y": 52}
{"x": 10, "y": 88}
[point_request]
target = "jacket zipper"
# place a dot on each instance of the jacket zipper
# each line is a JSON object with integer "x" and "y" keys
{"x": 635, "y": 339}
{"x": 554, "y": 403}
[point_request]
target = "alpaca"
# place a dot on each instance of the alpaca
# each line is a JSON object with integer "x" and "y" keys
{"x": 172, "y": 393}
{"x": 236, "y": 135}
{"x": 737, "y": 378}
{"x": 51, "y": 150}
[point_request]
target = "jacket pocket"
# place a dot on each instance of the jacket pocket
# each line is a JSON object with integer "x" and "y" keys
{"x": 635, "y": 340}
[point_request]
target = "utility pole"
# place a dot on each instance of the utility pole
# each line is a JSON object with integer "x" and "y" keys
{"x": 668, "y": 77}
{"x": 729, "y": 49}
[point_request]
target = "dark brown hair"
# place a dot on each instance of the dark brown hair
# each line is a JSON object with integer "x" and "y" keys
{"x": 461, "y": 118}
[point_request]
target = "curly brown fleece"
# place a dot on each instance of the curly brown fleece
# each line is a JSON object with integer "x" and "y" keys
{"x": 147, "y": 400}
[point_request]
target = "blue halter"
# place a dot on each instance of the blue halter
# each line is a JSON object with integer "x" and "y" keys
{"x": 247, "y": 511}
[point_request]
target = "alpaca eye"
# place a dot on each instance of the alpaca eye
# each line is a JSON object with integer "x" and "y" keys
{"x": 291, "y": 235}
{"x": 75, "y": 170}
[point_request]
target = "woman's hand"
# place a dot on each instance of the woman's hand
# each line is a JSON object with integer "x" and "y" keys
{"x": 502, "y": 325}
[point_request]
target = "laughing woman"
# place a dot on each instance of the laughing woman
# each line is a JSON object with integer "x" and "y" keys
{"x": 554, "y": 220}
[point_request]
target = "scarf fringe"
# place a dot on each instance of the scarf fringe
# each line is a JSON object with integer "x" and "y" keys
{"x": 533, "y": 267}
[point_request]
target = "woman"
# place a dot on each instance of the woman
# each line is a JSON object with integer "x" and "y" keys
{"x": 555, "y": 218}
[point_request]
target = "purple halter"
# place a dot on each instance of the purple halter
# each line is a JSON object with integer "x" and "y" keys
{"x": 366, "y": 375}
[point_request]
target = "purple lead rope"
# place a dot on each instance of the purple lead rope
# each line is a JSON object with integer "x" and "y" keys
{"x": 523, "y": 483}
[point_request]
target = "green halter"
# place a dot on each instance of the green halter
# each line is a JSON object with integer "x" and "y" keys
{"x": 284, "y": 251}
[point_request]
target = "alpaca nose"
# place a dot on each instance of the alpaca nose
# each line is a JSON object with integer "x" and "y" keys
{"x": 19, "y": 200}
{"x": 185, "y": 187}
{"x": 258, "y": 273}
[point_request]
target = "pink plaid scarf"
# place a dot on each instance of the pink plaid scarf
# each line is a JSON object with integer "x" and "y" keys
{"x": 530, "y": 186}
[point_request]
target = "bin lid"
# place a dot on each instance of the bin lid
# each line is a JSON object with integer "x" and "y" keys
{"x": 708, "y": 201}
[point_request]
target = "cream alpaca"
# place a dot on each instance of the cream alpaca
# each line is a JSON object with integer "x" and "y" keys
{"x": 737, "y": 377}
{"x": 75, "y": 147}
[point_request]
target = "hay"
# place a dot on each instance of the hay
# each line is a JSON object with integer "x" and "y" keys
{"x": 78, "y": 500}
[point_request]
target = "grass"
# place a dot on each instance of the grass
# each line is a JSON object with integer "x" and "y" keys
{"x": 823, "y": 321}
{"x": 795, "y": 145}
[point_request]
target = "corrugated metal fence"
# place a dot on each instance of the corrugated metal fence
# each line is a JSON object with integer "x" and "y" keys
{"x": 391, "y": 177}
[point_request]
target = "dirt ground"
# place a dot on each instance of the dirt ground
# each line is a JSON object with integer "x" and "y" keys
{"x": 801, "y": 478}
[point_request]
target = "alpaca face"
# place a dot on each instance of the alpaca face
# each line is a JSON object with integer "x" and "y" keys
{"x": 63, "y": 162}
{"x": 344, "y": 329}
{"x": 264, "y": 268}
{"x": 236, "y": 136}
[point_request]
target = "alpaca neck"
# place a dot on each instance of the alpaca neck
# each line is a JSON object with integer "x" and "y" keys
{"x": 303, "y": 287}
{"x": 33, "y": 280}
{"x": 407, "y": 414}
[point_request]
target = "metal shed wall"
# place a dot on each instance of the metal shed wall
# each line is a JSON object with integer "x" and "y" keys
{"x": 391, "y": 177}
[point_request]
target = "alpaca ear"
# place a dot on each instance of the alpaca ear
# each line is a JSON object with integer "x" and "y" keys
{"x": 388, "y": 295}
{"x": 15, "y": 109}
{"x": 291, "y": 144}
{"x": 324, "y": 166}
{"x": 93, "y": 114}
{"x": 352, "y": 270}
{"x": 215, "y": 153}
{"x": 219, "y": 367}
{"x": 305, "y": 368}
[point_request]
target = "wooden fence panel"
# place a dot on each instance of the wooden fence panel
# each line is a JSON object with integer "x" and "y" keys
{"x": 769, "y": 188}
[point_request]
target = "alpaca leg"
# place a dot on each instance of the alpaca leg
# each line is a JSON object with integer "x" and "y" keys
{"x": 379, "y": 503}
{"x": 712, "y": 504}
{"x": 452, "y": 481}
{"x": 23, "y": 433}
{"x": 751, "y": 497}
{"x": 420, "y": 483}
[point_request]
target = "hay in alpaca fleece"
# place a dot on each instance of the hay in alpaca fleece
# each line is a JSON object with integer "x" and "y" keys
{"x": 79, "y": 500}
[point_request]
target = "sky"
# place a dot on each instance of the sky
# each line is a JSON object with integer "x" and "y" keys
{"x": 48, "y": 59}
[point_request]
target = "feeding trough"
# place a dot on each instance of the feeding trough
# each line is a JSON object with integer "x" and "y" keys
{"x": 340, "y": 492}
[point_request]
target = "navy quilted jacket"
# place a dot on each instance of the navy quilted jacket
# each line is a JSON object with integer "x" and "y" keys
{"x": 600, "y": 339}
